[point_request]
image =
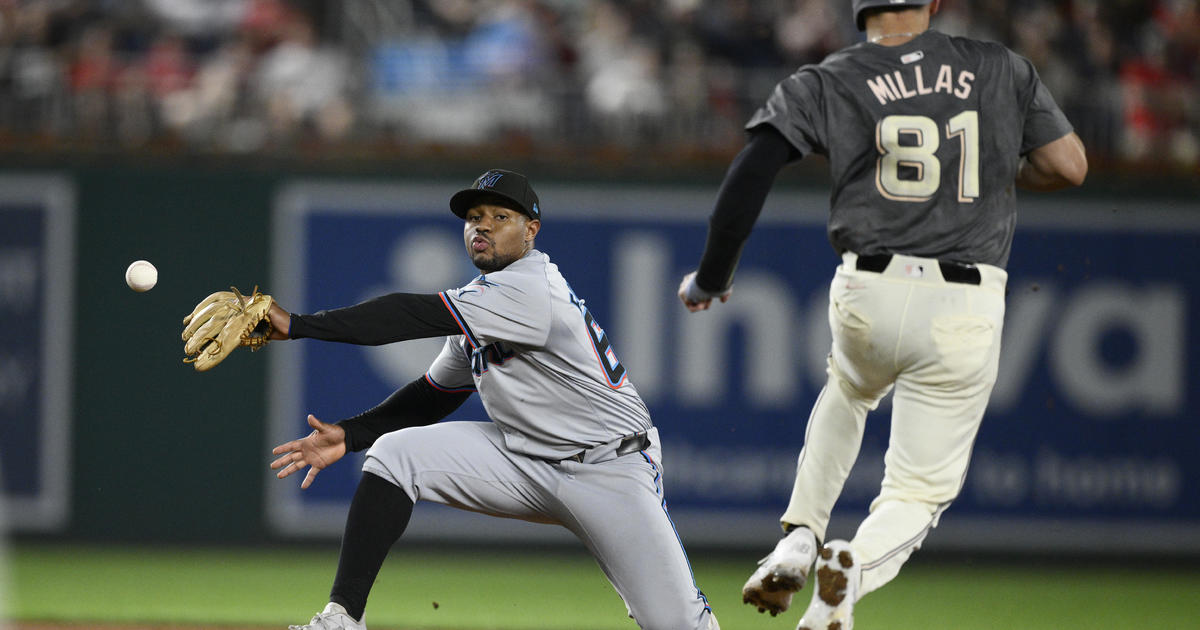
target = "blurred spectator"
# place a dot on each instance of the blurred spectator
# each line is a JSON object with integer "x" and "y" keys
{"x": 168, "y": 67}
{"x": 620, "y": 72}
{"x": 1089, "y": 92}
{"x": 149, "y": 86}
{"x": 741, "y": 32}
{"x": 628, "y": 85}
{"x": 647, "y": 75}
{"x": 212, "y": 110}
{"x": 808, "y": 31}
{"x": 32, "y": 91}
{"x": 262, "y": 23}
{"x": 305, "y": 85}
{"x": 93, "y": 73}
{"x": 1158, "y": 103}
{"x": 199, "y": 18}
{"x": 487, "y": 79}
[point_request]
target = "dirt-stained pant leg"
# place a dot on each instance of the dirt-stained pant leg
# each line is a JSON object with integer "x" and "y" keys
{"x": 939, "y": 344}
{"x": 950, "y": 349}
{"x": 859, "y": 373}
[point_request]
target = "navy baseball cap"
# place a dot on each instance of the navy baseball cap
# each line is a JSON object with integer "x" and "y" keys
{"x": 863, "y": 5}
{"x": 507, "y": 185}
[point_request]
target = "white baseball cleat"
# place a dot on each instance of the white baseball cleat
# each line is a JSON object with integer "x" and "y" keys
{"x": 838, "y": 579}
{"x": 334, "y": 617}
{"x": 782, "y": 572}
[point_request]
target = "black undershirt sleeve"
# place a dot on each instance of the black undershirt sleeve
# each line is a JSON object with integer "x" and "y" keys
{"x": 384, "y": 319}
{"x": 739, "y": 202}
{"x": 414, "y": 405}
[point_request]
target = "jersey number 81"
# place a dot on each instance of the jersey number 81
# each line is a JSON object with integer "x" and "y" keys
{"x": 919, "y": 154}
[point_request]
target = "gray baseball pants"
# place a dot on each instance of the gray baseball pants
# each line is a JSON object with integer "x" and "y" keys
{"x": 614, "y": 504}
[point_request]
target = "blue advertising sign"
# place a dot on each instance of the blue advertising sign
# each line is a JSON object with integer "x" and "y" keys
{"x": 1087, "y": 440}
{"x": 36, "y": 276}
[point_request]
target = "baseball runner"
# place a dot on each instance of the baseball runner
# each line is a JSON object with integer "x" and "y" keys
{"x": 925, "y": 135}
{"x": 570, "y": 442}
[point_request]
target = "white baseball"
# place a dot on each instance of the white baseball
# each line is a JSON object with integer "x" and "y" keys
{"x": 141, "y": 276}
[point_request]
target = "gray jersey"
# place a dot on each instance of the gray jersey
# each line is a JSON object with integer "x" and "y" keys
{"x": 923, "y": 140}
{"x": 544, "y": 369}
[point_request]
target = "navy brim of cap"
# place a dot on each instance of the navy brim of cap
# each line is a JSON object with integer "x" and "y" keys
{"x": 464, "y": 200}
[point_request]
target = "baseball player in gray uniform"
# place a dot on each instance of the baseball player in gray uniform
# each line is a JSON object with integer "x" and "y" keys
{"x": 925, "y": 135}
{"x": 569, "y": 443}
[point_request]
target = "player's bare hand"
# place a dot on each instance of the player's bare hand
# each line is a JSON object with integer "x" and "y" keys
{"x": 281, "y": 322}
{"x": 318, "y": 450}
{"x": 697, "y": 299}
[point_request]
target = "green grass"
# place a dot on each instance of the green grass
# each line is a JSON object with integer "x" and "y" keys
{"x": 560, "y": 590}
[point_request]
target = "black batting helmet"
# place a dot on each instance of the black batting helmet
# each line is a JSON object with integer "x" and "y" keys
{"x": 863, "y": 5}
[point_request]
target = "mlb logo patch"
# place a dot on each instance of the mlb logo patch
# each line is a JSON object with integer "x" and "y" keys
{"x": 914, "y": 271}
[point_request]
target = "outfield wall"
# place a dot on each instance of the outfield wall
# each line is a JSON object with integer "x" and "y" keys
{"x": 105, "y": 435}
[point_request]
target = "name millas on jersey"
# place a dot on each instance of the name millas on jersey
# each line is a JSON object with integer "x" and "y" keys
{"x": 894, "y": 86}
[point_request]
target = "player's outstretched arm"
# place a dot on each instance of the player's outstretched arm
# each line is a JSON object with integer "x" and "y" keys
{"x": 318, "y": 450}
{"x": 1054, "y": 166}
{"x": 739, "y": 202}
{"x": 379, "y": 320}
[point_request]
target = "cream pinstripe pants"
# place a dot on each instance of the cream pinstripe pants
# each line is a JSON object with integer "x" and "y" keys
{"x": 938, "y": 344}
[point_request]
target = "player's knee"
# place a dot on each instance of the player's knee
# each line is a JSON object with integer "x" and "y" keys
{"x": 394, "y": 456}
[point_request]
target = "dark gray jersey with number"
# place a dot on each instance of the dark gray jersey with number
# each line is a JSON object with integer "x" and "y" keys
{"x": 923, "y": 142}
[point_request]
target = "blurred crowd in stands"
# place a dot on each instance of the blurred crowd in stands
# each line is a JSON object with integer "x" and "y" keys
{"x": 651, "y": 76}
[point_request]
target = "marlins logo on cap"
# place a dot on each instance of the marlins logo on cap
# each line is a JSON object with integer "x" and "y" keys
{"x": 507, "y": 185}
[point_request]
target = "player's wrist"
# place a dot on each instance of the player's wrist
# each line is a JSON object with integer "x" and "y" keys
{"x": 697, "y": 291}
{"x": 281, "y": 322}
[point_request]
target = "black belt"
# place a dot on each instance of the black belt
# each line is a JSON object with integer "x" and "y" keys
{"x": 631, "y": 444}
{"x": 951, "y": 271}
